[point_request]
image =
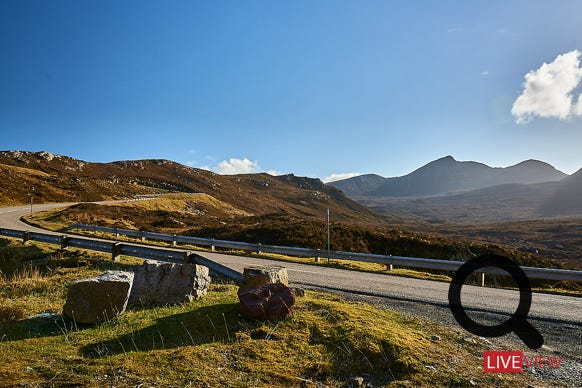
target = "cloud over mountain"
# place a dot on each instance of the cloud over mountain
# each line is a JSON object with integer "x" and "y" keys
{"x": 550, "y": 90}
{"x": 234, "y": 166}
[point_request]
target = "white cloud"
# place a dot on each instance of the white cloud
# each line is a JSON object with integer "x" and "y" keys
{"x": 548, "y": 91}
{"x": 234, "y": 166}
{"x": 485, "y": 73}
{"x": 338, "y": 177}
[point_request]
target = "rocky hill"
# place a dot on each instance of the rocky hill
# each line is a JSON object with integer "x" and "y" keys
{"x": 447, "y": 175}
{"x": 56, "y": 178}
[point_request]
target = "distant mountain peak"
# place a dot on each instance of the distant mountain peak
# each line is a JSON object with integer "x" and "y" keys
{"x": 447, "y": 175}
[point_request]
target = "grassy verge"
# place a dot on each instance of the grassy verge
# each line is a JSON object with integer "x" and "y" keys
{"x": 208, "y": 342}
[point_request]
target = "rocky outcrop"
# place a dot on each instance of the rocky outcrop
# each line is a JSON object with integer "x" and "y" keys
{"x": 271, "y": 302}
{"x": 100, "y": 298}
{"x": 159, "y": 284}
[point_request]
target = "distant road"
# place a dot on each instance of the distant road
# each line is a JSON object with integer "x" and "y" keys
{"x": 558, "y": 318}
{"x": 10, "y": 216}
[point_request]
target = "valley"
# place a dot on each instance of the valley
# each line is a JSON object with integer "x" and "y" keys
{"x": 514, "y": 207}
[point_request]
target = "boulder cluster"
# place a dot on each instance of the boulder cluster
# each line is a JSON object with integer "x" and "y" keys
{"x": 264, "y": 292}
{"x": 104, "y": 297}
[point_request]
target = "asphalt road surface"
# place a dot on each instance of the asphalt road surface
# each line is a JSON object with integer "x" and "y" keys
{"x": 558, "y": 318}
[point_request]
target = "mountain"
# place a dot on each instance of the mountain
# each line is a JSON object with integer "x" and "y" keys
{"x": 447, "y": 175}
{"x": 56, "y": 178}
{"x": 507, "y": 202}
{"x": 360, "y": 184}
{"x": 567, "y": 198}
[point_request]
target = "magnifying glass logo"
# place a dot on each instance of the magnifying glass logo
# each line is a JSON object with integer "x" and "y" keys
{"x": 517, "y": 323}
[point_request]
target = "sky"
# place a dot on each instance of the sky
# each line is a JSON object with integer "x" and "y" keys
{"x": 325, "y": 88}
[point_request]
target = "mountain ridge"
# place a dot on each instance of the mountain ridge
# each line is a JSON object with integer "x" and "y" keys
{"x": 446, "y": 175}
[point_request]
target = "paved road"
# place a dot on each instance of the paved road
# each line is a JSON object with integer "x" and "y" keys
{"x": 10, "y": 216}
{"x": 558, "y": 318}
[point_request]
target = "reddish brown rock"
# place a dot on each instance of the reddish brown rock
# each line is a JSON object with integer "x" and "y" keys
{"x": 271, "y": 302}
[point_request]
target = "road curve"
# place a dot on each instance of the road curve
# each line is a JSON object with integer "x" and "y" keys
{"x": 558, "y": 318}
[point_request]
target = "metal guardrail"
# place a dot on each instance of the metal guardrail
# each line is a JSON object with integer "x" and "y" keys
{"x": 116, "y": 249}
{"x": 446, "y": 265}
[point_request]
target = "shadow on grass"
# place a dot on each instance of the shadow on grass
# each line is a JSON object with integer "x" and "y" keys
{"x": 39, "y": 326}
{"x": 16, "y": 258}
{"x": 204, "y": 325}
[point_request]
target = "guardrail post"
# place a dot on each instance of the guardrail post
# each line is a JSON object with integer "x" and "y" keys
{"x": 143, "y": 236}
{"x": 26, "y": 237}
{"x": 64, "y": 242}
{"x": 116, "y": 252}
{"x": 482, "y": 279}
{"x": 116, "y": 232}
{"x": 174, "y": 242}
{"x": 212, "y": 248}
{"x": 259, "y": 251}
{"x": 318, "y": 256}
{"x": 189, "y": 257}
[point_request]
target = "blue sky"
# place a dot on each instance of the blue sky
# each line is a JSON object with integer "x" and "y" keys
{"x": 307, "y": 87}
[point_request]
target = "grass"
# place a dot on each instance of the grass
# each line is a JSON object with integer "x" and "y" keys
{"x": 208, "y": 342}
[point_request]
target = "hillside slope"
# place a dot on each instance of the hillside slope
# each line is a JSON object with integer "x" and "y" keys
{"x": 55, "y": 178}
{"x": 567, "y": 199}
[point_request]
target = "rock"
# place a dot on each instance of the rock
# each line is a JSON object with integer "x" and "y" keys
{"x": 258, "y": 276}
{"x": 431, "y": 368}
{"x": 435, "y": 338}
{"x": 159, "y": 284}
{"x": 356, "y": 381}
{"x": 100, "y": 298}
{"x": 298, "y": 292}
{"x": 271, "y": 302}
